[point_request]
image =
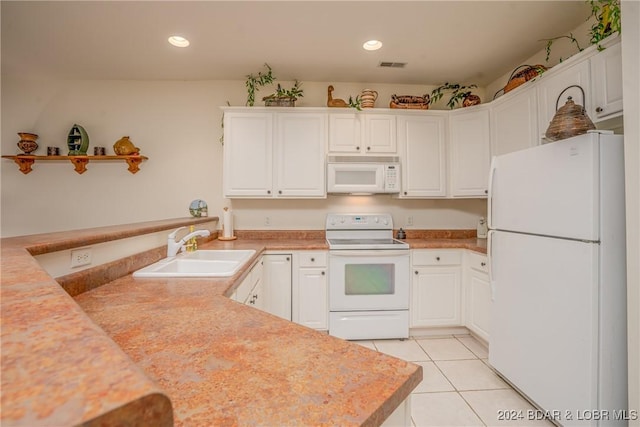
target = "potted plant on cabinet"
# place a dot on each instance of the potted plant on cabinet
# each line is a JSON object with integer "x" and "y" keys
{"x": 459, "y": 93}
{"x": 281, "y": 98}
{"x": 284, "y": 97}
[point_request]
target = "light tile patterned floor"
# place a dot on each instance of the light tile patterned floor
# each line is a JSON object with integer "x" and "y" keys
{"x": 458, "y": 387}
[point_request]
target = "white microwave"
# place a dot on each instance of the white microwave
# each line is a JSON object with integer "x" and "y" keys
{"x": 363, "y": 175}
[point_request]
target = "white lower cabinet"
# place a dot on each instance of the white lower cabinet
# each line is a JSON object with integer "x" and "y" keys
{"x": 436, "y": 288}
{"x": 250, "y": 290}
{"x": 311, "y": 290}
{"x": 276, "y": 277}
{"x": 478, "y": 295}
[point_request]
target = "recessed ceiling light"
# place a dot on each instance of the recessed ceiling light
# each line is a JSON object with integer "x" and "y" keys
{"x": 178, "y": 41}
{"x": 372, "y": 45}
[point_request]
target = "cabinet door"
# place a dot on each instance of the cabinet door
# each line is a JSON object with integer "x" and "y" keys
{"x": 301, "y": 140}
{"x": 606, "y": 79}
{"x": 422, "y": 148}
{"x": 248, "y": 144}
{"x": 479, "y": 304}
{"x": 344, "y": 133}
{"x": 435, "y": 299}
{"x": 514, "y": 122}
{"x": 276, "y": 276}
{"x": 470, "y": 152}
{"x": 313, "y": 295}
{"x": 379, "y": 133}
{"x": 551, "y": 85}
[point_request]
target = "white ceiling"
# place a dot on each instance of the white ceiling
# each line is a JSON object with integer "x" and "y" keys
{"x": 461, "y": 41}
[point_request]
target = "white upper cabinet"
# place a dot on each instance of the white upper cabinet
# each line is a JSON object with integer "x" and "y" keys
{"x": 606, "y": 79}
{"x": 301, "y": 140}
{"x": 278, "y": 154}
{"x": 514, "y": 121}
{"x": 422, "y": 141}
{"x": 248, "y": 151}
{"x": 362, "y": 133}
{"x": 552, "y": 83}
{"x": 469, "y": 152}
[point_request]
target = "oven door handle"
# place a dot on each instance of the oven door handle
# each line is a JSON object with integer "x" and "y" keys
{"x": 369, "y": 253}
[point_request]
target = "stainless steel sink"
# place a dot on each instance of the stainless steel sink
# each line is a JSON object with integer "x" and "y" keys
{"x": 202, "y": 263}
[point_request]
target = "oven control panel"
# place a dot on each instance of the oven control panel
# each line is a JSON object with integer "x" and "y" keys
{"x": 359, "y": 221}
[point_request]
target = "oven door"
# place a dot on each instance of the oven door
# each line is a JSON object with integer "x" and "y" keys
{"x": 368, "y": 280}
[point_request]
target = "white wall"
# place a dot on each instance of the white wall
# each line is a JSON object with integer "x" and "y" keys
{"x": 177, "y": 125}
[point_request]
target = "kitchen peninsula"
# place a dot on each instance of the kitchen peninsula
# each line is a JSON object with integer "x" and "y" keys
{"x": 174, "y": 351}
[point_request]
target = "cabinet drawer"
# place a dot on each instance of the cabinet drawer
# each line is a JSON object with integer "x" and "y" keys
{"x": 437, "y": 257}
{"x": 313, "y": 259}
{"x": 478, "y": 262}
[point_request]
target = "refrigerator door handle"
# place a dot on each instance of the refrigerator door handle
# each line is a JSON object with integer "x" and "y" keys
{"x": 492, "y": 171}
{"x": 492, "y": 282}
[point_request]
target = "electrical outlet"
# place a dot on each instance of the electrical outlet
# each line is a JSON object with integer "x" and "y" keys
{"x": 267, "y": 220}
{"x": 80, "y": 257}
{"x": 409, "y": 220}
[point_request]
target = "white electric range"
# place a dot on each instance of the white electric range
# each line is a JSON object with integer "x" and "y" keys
{"x": 368, "y": 278}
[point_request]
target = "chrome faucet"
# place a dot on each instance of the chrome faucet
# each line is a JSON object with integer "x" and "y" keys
{"x": 174, "y": 247}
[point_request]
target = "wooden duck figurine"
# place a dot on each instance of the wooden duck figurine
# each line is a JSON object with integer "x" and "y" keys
{"x": 334, "y": 102}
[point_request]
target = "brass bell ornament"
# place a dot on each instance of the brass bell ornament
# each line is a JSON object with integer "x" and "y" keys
{"x": 570, "y": 120}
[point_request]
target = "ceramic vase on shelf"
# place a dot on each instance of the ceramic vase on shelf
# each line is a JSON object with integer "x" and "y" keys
{"x": 368, "y": 98}
{"x": 27, "y": 142}
{"x": 78, "y": 141}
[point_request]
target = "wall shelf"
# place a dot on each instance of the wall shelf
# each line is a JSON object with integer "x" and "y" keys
{"x": 25, "y": 162}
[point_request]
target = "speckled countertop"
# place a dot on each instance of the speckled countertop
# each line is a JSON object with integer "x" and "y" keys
{"x": 180, "y": 351}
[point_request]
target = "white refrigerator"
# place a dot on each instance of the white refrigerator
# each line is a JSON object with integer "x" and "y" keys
{"x": 558, "y": 278}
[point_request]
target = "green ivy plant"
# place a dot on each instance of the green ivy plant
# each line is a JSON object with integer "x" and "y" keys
{"x": 458, "y": 93}
{"x": 254, "y": 83}
{"x": 607, "y": 14}
{"x": 294, "y": 93}
{"x": 607, "y": 22}
{"x": 355, "y": 103}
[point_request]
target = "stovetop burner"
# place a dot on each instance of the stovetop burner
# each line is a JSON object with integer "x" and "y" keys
{"x": 361, "y": 231}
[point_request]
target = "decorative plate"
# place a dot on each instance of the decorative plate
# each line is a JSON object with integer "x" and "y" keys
{"x": 198, "y": 208}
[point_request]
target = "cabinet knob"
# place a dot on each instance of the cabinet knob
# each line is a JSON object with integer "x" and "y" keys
{"x": 322, "y": 273}
{"x": 437, "y": 258}
{"x": 368, "y": 148}
{"x": 255, "y": 297}
{"x": 313, "y": 260}
{"x": 599, "y": 110}
{"x": 482, "y": 264}
{"x": 405, "y": 193}
{"x": 358, "y": 148}
{"x": 415, "y": 272}
{"x": 268, "y": 191}
{"x": 279, "y": 191}
{"x": 486, "y": 191}
{"x": 288, "y": 258}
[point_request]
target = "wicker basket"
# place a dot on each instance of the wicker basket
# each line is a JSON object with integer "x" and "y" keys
{"x": 272, "y": 101}
{"x": 527, "y": 73}
{"x": 410, "y": 102}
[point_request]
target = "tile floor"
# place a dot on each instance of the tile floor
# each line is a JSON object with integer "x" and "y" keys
{"x": 458, "y": 387}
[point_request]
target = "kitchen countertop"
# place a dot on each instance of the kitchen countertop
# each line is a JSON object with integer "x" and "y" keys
{"x": 153, "y": 349}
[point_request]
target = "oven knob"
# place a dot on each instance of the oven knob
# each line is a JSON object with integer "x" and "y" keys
{"x": 341, "y": 220}
{"x": 385, "y": 221}
{"x": 377, "y": 220}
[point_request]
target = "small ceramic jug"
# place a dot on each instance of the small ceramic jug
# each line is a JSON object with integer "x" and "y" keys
{"x": 368, "y": 98}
